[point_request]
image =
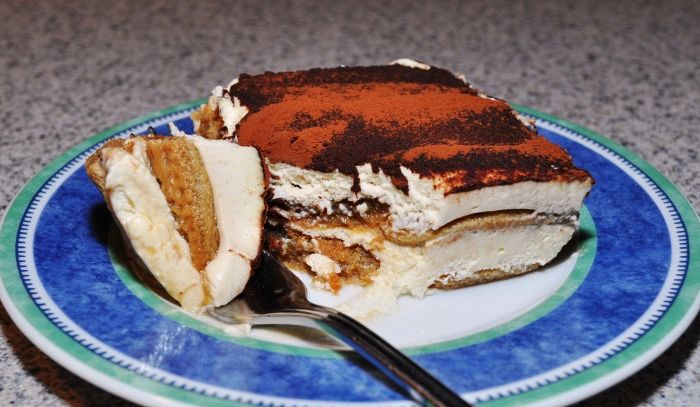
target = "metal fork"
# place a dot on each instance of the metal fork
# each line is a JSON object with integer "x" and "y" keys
{"x": 275, "y": 296}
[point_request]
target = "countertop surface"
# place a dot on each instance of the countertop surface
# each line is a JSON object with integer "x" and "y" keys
{"x": 628, "y": 70}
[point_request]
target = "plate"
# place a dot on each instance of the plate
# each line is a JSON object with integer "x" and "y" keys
{"x": 616, "y": 298}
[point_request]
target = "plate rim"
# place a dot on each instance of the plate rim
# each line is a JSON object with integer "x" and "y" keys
{"x": 684, "y": 314}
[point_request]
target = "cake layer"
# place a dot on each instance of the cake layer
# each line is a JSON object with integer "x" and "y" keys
{"x": 376, "y": 224}
{"x": 330, "y": 259}
{"x": 177, "y": 166}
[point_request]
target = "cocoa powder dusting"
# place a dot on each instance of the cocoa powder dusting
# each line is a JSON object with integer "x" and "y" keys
{"x": 427, "y": 121}
{"x": 258, "y": 91}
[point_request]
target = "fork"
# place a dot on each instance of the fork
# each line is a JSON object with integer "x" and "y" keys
{"x": 275, "y": 296}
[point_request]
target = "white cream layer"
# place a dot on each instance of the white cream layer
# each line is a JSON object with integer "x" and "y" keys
{"x": 411, "y": 63}
{"x": 455, "y": 256}
{"x": 322, "y": 266}
{"x": 230, "y": 110}
{"x": 425, "y": 207}
{"x": 237, "y": 181}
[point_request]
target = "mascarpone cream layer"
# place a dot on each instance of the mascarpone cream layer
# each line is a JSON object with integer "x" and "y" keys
{"x": 451, "y": 257}
{"x": 237, "y": 180}
{"x": 425, "y": 207}
{"x": 230, "y": 109}
{"x": 411, "y": 63}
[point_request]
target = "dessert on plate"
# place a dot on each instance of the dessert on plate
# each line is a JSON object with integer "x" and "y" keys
{"x": 400, "y": 177}
{"x": 191, "y": 211}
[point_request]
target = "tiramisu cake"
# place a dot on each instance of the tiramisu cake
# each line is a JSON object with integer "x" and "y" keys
{"x": 191, "y": 211}
{"x": 399, "y": 177}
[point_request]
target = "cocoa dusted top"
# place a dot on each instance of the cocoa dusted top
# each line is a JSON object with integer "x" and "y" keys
{"x": 428, "y": 121}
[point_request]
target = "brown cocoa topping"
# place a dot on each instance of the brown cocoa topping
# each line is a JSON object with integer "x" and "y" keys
{"x": 428, "y": 121}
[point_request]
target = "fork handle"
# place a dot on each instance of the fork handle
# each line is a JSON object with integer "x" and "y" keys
{"x": 421, "y": 385}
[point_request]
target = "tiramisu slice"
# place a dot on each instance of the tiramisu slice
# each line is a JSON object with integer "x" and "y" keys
{"x": 191, "y": 210}
{"x": 400, "y": 177}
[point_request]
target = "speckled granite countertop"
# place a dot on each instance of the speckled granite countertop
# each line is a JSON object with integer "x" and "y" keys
{"x": 629, "y": 70}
